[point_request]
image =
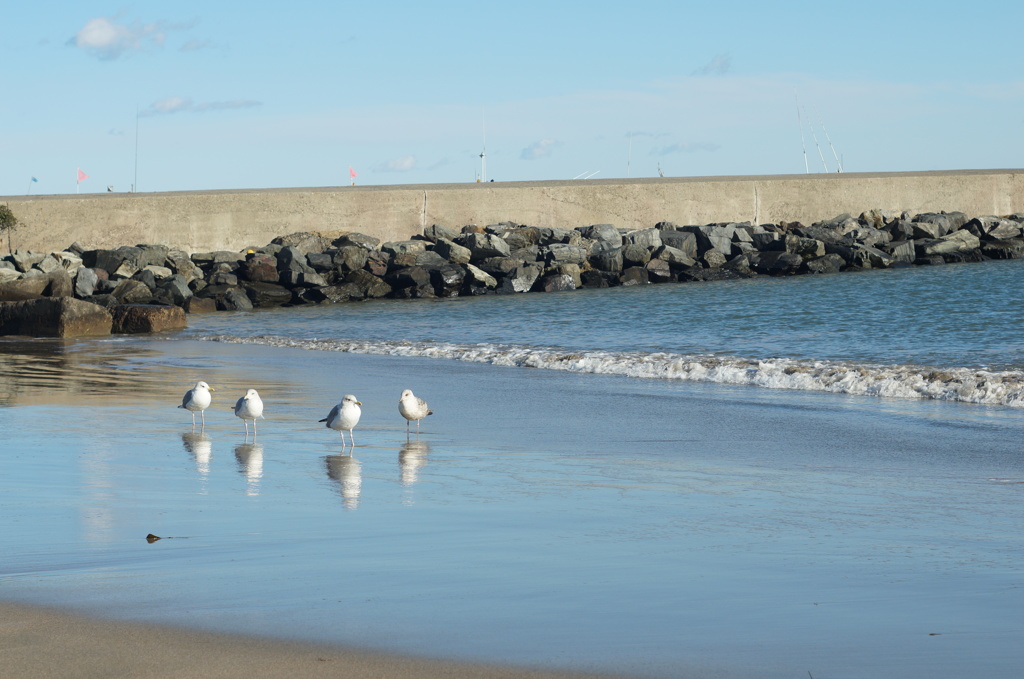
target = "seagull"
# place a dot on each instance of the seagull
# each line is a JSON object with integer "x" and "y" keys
{"x": 344, "y": 417}
{"x": 197, "y": 398}
{"x": 412, "y": 408}
{"x": 249, "y": 407}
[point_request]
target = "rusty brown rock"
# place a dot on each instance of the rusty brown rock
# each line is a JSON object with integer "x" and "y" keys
{"x": 200, "y": 305}
{"x": 146, "y": 318}
{"x": 54, "y": 317}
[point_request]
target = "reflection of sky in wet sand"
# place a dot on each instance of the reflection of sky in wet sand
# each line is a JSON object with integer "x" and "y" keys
{"x": 347, "y": 473}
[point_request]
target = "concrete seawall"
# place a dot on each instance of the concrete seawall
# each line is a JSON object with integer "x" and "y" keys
{"x": 199, "y": 221}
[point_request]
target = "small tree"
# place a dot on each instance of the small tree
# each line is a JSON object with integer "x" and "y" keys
{"x": 8, "y": 223}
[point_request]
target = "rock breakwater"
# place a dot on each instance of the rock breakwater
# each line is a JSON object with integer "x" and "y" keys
{"x": 505, "y": 258}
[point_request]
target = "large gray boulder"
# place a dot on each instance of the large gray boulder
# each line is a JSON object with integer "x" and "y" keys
{"x": 484, "y": 245}
{"x": 54, "y": 317}
{"x": 520, "y": 279}
{"x": 602, "y": 232}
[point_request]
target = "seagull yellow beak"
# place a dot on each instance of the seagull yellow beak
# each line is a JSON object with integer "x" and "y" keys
{"x": 359, "y": 403}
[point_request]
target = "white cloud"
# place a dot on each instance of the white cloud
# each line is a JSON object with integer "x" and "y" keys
{"x": 184, "y": 104}
{"x": 107, "y": 38}
{"x": 539, "y": 149}
{"x": 685, "y": 147}
{"x": 403, "y": 164}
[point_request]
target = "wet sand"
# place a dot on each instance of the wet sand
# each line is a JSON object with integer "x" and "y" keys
{"x": 547, "y": 520}
{"x": 44, "y": 643}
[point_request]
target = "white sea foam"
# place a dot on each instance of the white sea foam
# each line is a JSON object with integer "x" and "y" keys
{"x": 1004, "y": 388}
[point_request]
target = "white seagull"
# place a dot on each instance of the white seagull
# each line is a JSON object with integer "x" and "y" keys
{"x": 197, "y": 398}
{"x": 412, "y": 408}
{"x": 344, "y": 417}
{"x": 249, "y": 407}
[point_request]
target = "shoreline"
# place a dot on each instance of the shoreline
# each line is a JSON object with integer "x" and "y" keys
{"x": 38, "y": 641}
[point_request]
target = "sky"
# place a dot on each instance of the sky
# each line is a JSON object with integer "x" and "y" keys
{"x": 153, "y": 97}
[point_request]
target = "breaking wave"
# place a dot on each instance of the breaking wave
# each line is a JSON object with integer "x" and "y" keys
{"x": 966, "y": 385}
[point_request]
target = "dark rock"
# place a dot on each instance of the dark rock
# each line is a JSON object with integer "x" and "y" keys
{"x": 563, "y": 253}
{"x": 484, "y": 245}
{"x": 54, "y": 317}
{"x": 436, "y": 233}
{"x": 260, "y": 269}
{"x": 173, "y": 290}
{"x": 369, "y": 286}
{"x": 1003, "y": 249}
{"x": 429, "y": 260}
{"x": 714, "y": 258}
{"x": 826, "y": 264}
{"x": 635, "y": 254}
{"x": 808, "y": 248}
{"x": 200, "y": 305}
{"x": 130, "y": 291}
{"x": 478, "y": 281}
{"x": 357, "y": 239}
{"x": 499, "y": 266}
{"x": 602, "y": 232}
{"x": 264, "y": 295}
{"x": 291, "y": 258}
{"x": 684, "y": 241}
{"x": 608, "y": 260}
{"x": 350, "y": 258}
{"x": 60, "y": 284}
{"x": 592, "y": 278}
{"x": 143, "y": 318}
{"x": 408, "y": 277}
{"x": 23, "y": 288}
{"x": 453, "y": 252}
{"x": 148, "y": 278}
{"x": 659, "y": 271}
{"x": 674, "y": 256}
{"x": 448, "y": 280}
{"x": 555, "y": 283}
{"x": 404, "y": 247}
{"x": 634, "y": 275}
{"x": 778, "y": 263}
{"x": 85, "y": 282}
{"x": 303, "y": 241}
{"x": 320, "y": 262}
{"x": 520, "y": 279}
{"x": 377, "y": 263}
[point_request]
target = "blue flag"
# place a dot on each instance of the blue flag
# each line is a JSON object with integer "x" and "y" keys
{"x": 34, "y": 179}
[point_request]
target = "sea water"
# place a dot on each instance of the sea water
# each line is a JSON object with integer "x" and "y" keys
{"x": 768, "y": 478}
{"x": 948, "y": 332}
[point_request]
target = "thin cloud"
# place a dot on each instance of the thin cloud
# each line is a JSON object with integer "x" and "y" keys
{"x": 185, "y": 105}
{"x": 720, "y": 65}
{"x": 686, "y": 147}
{"x": 403, "y": 164}
{"x": 539, "y": 149}
{"x": 107, "y": 38}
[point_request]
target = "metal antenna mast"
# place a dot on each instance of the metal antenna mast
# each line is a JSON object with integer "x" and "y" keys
{"x": 803, "y": 143}
{"x": 839, "y": 164}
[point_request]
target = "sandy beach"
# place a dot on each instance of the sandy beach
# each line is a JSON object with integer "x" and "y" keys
{"x": 44, "y": 643}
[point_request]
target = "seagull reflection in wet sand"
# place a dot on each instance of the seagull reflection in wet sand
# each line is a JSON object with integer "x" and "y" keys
{"x": 347, "y": 472}
{"x": 411, "y": 457}
{"x": 197, "y": 444}
{"x": 250, "y": 465}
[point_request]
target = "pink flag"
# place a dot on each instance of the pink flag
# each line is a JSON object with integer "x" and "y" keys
{"x": 352, "y": 173}
{"x": 81, "y": 175}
